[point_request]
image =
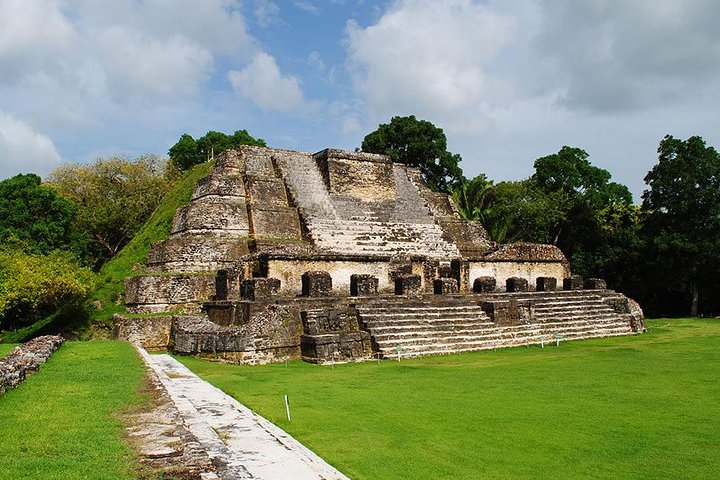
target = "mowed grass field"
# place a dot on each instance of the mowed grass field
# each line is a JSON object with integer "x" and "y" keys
{"x": 638, "y": 407}
{"x": 60, "y": 423}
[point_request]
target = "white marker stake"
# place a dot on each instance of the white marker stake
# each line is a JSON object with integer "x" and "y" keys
{"x": 287, "y": 407}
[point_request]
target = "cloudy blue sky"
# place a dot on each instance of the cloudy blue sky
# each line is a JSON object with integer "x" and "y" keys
{"x": 508, "y": 80}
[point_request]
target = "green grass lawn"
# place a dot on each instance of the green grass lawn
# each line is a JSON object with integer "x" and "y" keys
{"x": 59, "y": 424}
{"x": 6, "y": 348}
{"x": 633, "y": 407}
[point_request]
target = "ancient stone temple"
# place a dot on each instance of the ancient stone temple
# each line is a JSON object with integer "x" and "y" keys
{"x": 340, "y": 256}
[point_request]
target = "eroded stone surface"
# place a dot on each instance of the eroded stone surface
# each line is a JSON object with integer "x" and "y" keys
{"x": 26, "y": 359}
{"x": 239, "y": 443}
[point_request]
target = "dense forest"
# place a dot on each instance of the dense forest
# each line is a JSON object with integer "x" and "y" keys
{"x": 55, "y": 235}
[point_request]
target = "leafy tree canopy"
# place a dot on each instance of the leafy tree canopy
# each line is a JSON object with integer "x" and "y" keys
{"x": 188, "y": 152}
{"x": 33, "y": 286}
{"x": 114, "y": 197}
{"x": 420, "y": 144}
{"x": 683, "y": 204}
{"x": 34, "y": 215}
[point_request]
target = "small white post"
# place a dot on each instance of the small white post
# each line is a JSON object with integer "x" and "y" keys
{"x": 398, "y": 353}
{"x": 287, "y": 407}
{"x": 542, "y": 342}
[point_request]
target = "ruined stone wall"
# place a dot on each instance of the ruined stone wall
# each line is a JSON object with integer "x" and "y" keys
{"x": 364, "y": 176}
{"x": 502, "y": 270}
{"x": 151, "y": 333}
{"x": 164, "y": 293}
{"x": 290, "y": 272}
{"x": 26, "y": 359}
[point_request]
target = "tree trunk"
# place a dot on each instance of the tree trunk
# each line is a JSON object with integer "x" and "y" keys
{"x": 695, "y": 299}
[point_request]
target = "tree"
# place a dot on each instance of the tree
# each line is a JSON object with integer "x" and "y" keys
{"x": 585, "y": 191}
{"x": 188, "y": 152}
{"x": 34, "y": 215}
{"x": 420, "y": 144}
{"x": 114, "y": 197}
{"x": 519, "y": 211}
{"x": 33, "y": 286}
{"x": 683, "y": 204}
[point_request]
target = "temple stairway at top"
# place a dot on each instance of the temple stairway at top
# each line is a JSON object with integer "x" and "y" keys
{"x": 385, "y": 216}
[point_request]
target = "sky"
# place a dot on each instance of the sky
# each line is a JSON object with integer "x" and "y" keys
{"x": 507, "y": 80}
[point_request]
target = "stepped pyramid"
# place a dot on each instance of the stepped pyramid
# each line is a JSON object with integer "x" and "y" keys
{"x": 337, "y": 254}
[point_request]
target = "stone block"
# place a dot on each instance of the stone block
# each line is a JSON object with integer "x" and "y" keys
{"x": 546, "y": 284}
{"x": 316, "y": 284}
{"x": 484, "y": 285}
{"x": 221, "y": 285}
{"x": 267, "y": 192}
{"x": 408, "y": 285}
{"x": 259, "y": 288}
{"x": 445, "y": 286}
{"x": 516, "y": 284}
{"x": 574, "y": 282}
{"x": 595, "y": 284}
{"x": 363, "y": 285}
{"x": 497, "y": 310}
{"x": 275, "y": 222}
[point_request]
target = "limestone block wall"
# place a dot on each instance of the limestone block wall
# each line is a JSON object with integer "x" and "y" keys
{"x": 502, "y": 270}
{"x": 361, "y": 175}
{"x": 195, "y": 254}
{"x": 164, "y": 293}
{"x": 290, "y": 272}
{"x": 151, "y": 333}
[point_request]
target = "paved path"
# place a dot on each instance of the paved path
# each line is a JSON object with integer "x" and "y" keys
{"x": 241, "y": 443}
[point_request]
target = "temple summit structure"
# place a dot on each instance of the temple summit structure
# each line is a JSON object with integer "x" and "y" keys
{"x": 344, "y": 256}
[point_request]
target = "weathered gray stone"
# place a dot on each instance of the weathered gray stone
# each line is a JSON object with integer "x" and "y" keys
{"x": 445, "y": 286}
{"x": 594, "y": 284}
{"x": 516, "y": 284}
{"x": 546, "y": 284}
{"x": 26, "y": 359}
{"x": 484, "y": 285}
{"x": 408, "y": 285}
{"x": 575, "y": 282}
{"x": 316, "y": 284}
{"x": 259, "y": 288}
{"x": 363, "y": 285}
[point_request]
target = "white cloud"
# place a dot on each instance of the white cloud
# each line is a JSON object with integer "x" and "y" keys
{"x": 267, "y": 12}
{"x": 262, "y": 83}
{"x": 32, "y": 36}
{"x": 618, "y": 56}
{"x": 432, "y": 56}
{"x": 22, "y": 149}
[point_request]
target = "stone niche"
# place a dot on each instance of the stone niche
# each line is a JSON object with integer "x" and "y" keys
{"x": 364, "y": 176}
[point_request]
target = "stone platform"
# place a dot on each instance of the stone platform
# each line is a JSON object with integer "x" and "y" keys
{"x": 344, "y": 256}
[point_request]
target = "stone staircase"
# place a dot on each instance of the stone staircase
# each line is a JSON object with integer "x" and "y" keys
{"x": 404, "y": 226}
{"x": 413, "y": 327}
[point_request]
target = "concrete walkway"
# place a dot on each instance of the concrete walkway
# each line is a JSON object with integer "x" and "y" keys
{"x": 240, "y": 443}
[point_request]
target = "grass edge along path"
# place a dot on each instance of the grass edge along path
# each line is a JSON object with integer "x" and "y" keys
{"x": 61, "y": 423}
{"x": 627, "y": 407}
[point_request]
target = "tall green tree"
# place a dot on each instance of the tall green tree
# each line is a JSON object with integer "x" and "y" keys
{"x": 114, "y": 197}
{"x": 683, "y": 204}
{"x": 35, "y": 215}
{"x": 420, "y": 144}
{"x": 586, "y": 189}
{"x": 520, "y": 211}
{"x": 188, "y": 152}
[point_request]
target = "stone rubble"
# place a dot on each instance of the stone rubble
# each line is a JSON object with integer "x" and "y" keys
{"x": 26, "y": 359}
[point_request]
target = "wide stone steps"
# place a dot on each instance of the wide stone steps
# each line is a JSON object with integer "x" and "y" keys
{"x": 416, "y": 327}
{"x": 499, "y": 339}
{"x": 488, "y": 345}
{"x": 423, "y": 332}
